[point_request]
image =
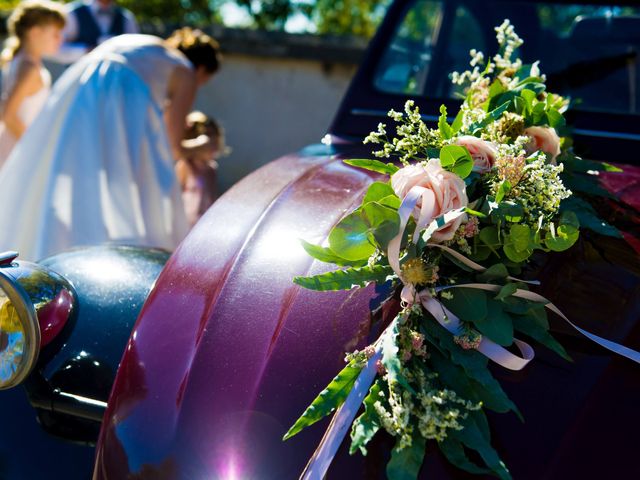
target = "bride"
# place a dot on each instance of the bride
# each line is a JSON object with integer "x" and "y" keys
{"x": 97, "y": 165}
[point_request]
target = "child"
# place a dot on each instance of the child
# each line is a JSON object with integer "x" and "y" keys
{"x": 203, "y": 143}
{"x": 35, "y": 31}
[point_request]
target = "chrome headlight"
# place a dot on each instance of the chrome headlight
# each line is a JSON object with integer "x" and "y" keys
{"x": 35, "y": 304}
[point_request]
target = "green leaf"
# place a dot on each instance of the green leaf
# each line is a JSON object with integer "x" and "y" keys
{"x": 587, "y": 184}
{"x": 325, "y": 254}
{"x": 489, "y": 236}
{"x": 517, "y": 244}
{"x": 366, "y": 425}
{"x": 555, "y": 119}
{"x": 383, "y": 222}
{"x": 345, "y": 279}
{"x": 506, "y": 210}
{"x": 356, "y": 235}
{"x": 565, "y": 235}
{"x": 373, "y": 165}
{"x": 503, "y": 190}
{"x": 529, "y": 97}
{"x": 472, "y": 437}
{"x": 457, "y": 122}
{"x": 329, "y": 399}
{"x": 350, "y": 238}
{"x": 405, "y": 463}
{"x": 377, "y": 191}
{"x": 497, "y": 325}
{"x": 491, "y": 117}
{"x": 453, "y": 450}
{"x": 582, "y": 165}
{"x": 588, "y": 217}
{"x": 506, "y": 291}
{"x": 478, "y": 386}
{"x": 493, "y": 273}
{"x": 390, "y": 359}
{"x": 445, "y": 129}
{"x": 468, "y": 304}
{"x": 456, "y": 159}
{"x": 535, "y": 325}
{"x": 496, "y": 88}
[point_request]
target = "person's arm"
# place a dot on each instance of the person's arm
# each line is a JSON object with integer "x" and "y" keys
{"x": 182, "y": 91}
{"x": 28, "y": 82}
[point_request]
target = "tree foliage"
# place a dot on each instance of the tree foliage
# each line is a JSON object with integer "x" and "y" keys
{"x": 338, "y": 17}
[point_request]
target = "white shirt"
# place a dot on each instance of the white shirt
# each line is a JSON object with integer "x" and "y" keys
{"x": 72, "y": 50}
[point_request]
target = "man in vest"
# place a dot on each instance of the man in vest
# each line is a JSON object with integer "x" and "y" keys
{"x": 91, "y": 22}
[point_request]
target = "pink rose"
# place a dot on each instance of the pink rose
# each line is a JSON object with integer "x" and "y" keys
{"x": 545, "y": 139}
{"x": 483, "y": 152}
{"x": 444, "y": 191}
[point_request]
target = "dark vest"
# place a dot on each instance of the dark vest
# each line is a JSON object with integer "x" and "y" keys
{"x": 89, "y": 31}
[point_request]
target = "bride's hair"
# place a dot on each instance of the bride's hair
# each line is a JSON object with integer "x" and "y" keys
{"x": 25, "y": 16}
{"x": 198, "y": 47}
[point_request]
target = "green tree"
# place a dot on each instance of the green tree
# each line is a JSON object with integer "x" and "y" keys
{"x": 347, "y": 17}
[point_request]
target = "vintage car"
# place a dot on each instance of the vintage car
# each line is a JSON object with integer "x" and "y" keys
{"x": 227, "y": 352}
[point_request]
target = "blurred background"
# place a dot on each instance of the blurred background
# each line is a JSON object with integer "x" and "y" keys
{"x": 287, "y": 64}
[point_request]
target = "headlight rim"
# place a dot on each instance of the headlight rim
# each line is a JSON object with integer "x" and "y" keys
{"x": 29, "y": 319}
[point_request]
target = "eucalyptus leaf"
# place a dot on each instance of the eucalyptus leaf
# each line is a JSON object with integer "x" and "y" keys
{"x": 377, "y": 191}
{"x": 350, "y": 238}
{"x": 506, "y": 291}
{"x": 497, "y": 325}
{"x": 588, "y": 217}
{"x": 373, "y": 165}
{"x": 494, "y": 272}
{"x": 586, "y": 184}
{"x": 536, "y": 326}
{"x": 456, "y": 159}
{"x": 383, "y": 222}
{"x": 562, "y": 238}
{"x": 327, "y": 401}
{"x": 468, "y": 304}
{"x": 345, "y": 279}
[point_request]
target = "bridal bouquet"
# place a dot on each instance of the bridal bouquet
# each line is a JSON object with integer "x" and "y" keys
{"x": 451, "y": 230}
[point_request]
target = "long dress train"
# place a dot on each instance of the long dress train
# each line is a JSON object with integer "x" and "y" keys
{"x": 96, "y": 165}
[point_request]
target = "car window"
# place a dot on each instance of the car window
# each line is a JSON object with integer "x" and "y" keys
{"x": 588, "y": 52}
{"x": 405, "y": 64}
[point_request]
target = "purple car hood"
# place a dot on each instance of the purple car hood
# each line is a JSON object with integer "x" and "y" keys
{"x": 228, "y": 352}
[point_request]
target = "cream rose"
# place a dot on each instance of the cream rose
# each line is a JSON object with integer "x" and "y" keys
{"x": 483, "y": 152}
{"x": 545, "y": 139}
{"x": 444, "y": 191}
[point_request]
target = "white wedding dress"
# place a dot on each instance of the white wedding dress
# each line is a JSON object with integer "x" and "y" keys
{"x": 96, "y": 165}
{"x": 30, "y": 106}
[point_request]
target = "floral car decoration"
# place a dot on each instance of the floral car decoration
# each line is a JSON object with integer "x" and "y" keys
{"x": 451, "y": 231}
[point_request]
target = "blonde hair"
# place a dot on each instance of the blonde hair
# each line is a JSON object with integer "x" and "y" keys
{"x": 200, "y": 124}
{"x": 25, "y": 16}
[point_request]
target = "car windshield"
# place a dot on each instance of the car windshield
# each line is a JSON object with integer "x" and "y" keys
{"x": 588, "y": 52}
